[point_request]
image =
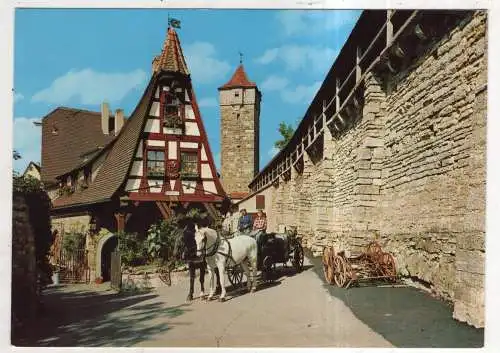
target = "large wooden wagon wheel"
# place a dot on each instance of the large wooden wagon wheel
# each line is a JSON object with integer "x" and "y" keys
{"x": 388, "y": 266}
{"x": 298, "y": 257}
{"x": 340, "y": 274}
{"x": 328, "y": 254}
{"x": 235, "y": 275}
{"x": 374, "y": 251}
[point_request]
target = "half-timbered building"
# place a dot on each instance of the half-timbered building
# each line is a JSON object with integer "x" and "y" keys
{"x": 123, "y": 174}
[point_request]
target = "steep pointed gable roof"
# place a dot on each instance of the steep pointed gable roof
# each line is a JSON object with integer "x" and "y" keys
{"x": 239, "y": 79}
{"x": 171, "y": 58}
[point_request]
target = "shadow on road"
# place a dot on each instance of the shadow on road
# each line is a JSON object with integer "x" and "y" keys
{"x": 405, "y": 316}
{"x": 90, "y": 318}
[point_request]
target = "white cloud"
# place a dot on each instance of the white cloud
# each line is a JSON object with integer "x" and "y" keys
{"x": 207, "y": 102}
{"x": 273, "y": 151}
{"x": 274, "y": 83}
{"x": 313, "y": 22}
{"x": 27, "y": 141}
{"x": 269, "y": 56}
{"x": 297, "y": 57}
{"x": 90, "y": 87}
{"x": 203, "y": 64}
{"x": 301, "y": 93}
{"x": 18, "y": 97}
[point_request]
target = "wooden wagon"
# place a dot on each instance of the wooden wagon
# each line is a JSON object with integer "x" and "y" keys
{"x": 372, "y": 264}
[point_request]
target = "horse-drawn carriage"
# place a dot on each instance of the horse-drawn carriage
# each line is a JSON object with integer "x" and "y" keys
{"x": 272, "y": 249}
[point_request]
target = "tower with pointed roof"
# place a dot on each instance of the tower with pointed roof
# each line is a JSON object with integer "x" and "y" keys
{"x": 240, "y": 111}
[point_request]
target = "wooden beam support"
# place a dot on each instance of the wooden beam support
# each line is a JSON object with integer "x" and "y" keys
{"x": 337, "y": 97}
{"x": 389, "y": 29}
{"x": 358, "y": 67}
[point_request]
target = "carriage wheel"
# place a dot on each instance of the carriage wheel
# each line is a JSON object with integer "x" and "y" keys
{"x": 388, "y": 265}
{"x": 328, "y": 254}
{"x": 339, "y": 271}
{"x": 267, "y": 269}
{"x": 298, "y": 257}
{"x": 235, "y": 275}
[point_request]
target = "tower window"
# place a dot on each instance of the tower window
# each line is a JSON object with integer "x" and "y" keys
{"x": 236, "y": 94}
{"x": 238, "y": 116}
{"x": 156, "y": 163}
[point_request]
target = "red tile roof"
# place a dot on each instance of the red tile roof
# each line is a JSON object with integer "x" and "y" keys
{"x": 238, "y": 195}
{"x": 67, "y": 134}
{"x": 239, "y": 79}
{"x": 171, "y": 58}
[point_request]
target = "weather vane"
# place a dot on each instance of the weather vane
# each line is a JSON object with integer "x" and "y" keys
{"x": 173, "y": 22}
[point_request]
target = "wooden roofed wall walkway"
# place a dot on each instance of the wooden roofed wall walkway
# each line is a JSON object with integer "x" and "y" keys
{"x": 331, "y": 112}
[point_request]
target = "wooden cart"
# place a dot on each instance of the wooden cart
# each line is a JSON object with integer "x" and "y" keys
{"x": 372, "y": 264}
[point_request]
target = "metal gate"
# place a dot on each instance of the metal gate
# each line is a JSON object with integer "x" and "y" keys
{"x": 116, "y": 270}
{"x": 73, "y": 266}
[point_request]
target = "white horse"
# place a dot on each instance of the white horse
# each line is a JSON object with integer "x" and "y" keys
{"x": 220, "y": 252}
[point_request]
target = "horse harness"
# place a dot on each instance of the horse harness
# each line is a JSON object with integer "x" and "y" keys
{"x": 215, "y": 247}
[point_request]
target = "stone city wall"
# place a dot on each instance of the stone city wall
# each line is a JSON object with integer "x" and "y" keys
{"x": 410, "y": 173}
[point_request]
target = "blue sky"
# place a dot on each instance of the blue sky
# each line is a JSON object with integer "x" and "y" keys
{"x": 79, "y": 58}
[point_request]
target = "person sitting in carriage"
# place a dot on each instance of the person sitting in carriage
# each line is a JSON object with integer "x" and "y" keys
{"x": 245, "y": 222}
{"x": 259, "y": 226}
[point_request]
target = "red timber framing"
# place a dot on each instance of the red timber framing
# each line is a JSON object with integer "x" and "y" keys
{"x": 176, "y": 90}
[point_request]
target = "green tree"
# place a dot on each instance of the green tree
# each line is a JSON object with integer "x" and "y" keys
{"x": 286, "y": 131}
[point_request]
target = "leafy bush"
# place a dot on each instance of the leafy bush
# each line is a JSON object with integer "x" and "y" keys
{"x": 165, "y": 238}
{"x": 131, "y": 249}
{"x": 161, "y": 239}
{"x": 39, "y": 205}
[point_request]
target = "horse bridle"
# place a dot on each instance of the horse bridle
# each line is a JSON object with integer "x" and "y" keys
{"x": 213, "y": 248}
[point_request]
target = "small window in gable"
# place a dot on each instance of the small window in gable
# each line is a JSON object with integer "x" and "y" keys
{"x": 189, "y": 164}
{"x": 156, "y": 163}
{"x": 171, "y": 112}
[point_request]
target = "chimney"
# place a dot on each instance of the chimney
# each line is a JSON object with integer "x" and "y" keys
{"x": 156, "y": 63}
{"x": 105, "y": 118}
{"x": 119, "y": 119}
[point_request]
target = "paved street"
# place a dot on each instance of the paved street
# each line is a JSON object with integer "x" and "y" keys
{"x": 298, "y": 311}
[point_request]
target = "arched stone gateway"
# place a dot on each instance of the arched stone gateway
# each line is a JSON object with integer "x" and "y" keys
{"x": 105, "y": 246}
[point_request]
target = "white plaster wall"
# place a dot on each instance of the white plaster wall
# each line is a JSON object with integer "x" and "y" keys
{"x": 189, "y": 144}
{"x": 155, "y": 109}
{"x": 152, "y": 125}
{"x": 157, "y": 143}
{"x": 136, "y": 168}
{"x": 188, "y": 186}
{"x": 192, "y": 129}
{"x": 138, "y": 153}
{"x": 205, "y": 171}
{"x": 209, "y": 186}
{"x": 189, "y": 112}
{"x": 133, "y": 184}
{"x": 172, "y": 150}
{"x": 203, "y": 154}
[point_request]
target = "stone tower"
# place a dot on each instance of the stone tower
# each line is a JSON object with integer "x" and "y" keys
{"x": 240, "y": 110}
